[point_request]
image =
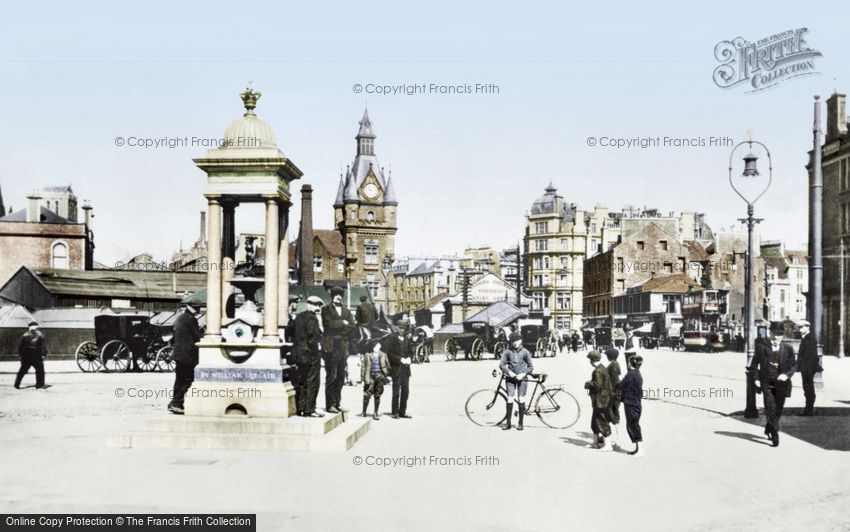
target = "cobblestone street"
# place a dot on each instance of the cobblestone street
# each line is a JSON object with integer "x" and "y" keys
{"x": 714, "y": 469}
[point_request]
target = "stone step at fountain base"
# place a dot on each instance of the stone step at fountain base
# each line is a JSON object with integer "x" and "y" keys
{"x": 240, "y": 433}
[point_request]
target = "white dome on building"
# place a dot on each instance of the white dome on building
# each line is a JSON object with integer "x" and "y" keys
{"x": 249, "y": 131}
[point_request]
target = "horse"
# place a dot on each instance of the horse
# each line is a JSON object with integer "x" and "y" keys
{"x": 360, "y": 338}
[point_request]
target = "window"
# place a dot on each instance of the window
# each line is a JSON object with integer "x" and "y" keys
{"x": 60, "y": 256}
{"x": 799, "y": 274}
{"x": 371, "y": 252}
{"x": 370, "y": 216}
{"x": 545, "y": 279}
{"x": 537, "y": 262}
{"x": 594, "y": 245}
{"x": 565, "y": 244}
{"x": 541, "y": 245}
{"x": 546, "y": 262}
{"x": 562, "y": 322}
{"x": 340, "y": 265}
{"x": 640, "y": 245}
{"x": 373, "y": 285}
{"x": 565, "y": 263}
{"x": 663, "y": 245}
{"x": 317, "y": 264}
{"x": 668, "y": 267}
{"x": 593, "y": 228}
{"x": 540, "y": 228}
{"x": 782, "y": 296}
{"x": 562, "y": 301}
{"x": 538, "y": 300}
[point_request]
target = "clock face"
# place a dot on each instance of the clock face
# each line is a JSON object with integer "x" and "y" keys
{"x": 370, "y": 191}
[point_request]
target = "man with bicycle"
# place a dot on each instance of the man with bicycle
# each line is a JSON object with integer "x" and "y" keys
{"x": 516, "y": 365}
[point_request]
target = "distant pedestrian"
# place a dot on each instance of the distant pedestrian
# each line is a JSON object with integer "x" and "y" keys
{"x": 32, "y": 349}
{"x": 599, "y": 389}
{"x": 631, "y": 389}
{"x": 574, "y": 340}
{"x": 516, "y": 365}
{"x": 375, "y": 374}
{"x": 614, "y": 372}
{"x": 308, "y": 357}
{"x": 808, "y": 364}
{"x": 773, "y": 366}
{"x": 186, "y": 334}
{"x": 631, "y": 344}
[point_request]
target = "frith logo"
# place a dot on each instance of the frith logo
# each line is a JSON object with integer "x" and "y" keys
{"x": 764, "y": 63}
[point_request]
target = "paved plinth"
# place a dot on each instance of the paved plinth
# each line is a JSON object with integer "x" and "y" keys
{"x": 705, "y": 469}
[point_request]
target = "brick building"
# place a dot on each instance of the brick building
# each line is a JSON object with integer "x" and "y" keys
{"x": 836, "y": 221}
{"x": 648, "y": 250}
{"x": 40, "y": 237}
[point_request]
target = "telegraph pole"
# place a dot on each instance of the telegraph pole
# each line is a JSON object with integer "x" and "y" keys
{"x": 815, "y": 302}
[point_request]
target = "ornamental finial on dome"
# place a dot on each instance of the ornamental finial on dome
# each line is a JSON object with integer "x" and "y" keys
{"x": 249, "y": 99}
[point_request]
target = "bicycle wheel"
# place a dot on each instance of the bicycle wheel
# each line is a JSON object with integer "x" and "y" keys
{"x": 486, "y": 407}
{"x": 557, "y": 408}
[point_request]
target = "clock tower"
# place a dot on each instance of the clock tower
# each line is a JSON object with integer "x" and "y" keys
{"x": 365, "y": 213}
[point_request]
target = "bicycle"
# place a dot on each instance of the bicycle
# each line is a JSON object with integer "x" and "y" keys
{"x": 555, "y": 407}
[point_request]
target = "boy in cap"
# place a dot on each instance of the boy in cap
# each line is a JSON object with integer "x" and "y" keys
{"x": 516, "y": 365}
{"x": 631, "y": 390}
{"x": 599, "y": 389}
{"x": 614, "y": 373}
{"x": 373, "y": 373}
{"x": 32, "y": 351}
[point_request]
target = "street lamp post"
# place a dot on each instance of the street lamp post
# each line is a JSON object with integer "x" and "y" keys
{"x": 386, "y": 265}
{"x": 750, "y": 194}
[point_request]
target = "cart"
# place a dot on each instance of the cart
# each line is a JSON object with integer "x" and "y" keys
{"x": 123, "y": 340}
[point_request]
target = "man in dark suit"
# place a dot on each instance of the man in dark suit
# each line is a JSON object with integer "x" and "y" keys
{"x": 399, "y": 350}
{"x": 337, "y": 323}
{"x": 32, "y": 349}
{"x": 308, "y": 357}
{"x": 808, "y": 363}
{"x": 186, "y": 334}
{"x": 631, "y": 390}
{"x": 366, "y": 314}
{"x": 773, "y": 366}
{"x": 599, "y": 389}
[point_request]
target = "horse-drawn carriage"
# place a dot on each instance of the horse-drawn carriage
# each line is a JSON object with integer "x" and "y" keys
{"x": 476, "y": 339}
{"x": 423, "y": 341}
{"x": 124, "y": 339}
{"x": 539, "y": 340}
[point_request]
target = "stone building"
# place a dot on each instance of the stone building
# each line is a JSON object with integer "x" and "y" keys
{"x": 365, "y": 215}
{"x": 786, "y": 281}
{"x": 558, "y": 238}
{"x": 40, "y": 237}
{"x": 646, "y": 251}
{"x": 836, "y": 221}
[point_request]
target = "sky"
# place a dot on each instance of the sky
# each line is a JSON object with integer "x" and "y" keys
{"x": 466, "y": 167}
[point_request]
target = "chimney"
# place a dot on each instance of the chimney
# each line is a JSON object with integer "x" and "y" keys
{"x": 202, "y": 238}
{"x": 305, "y": 241}
{"x": 87, "y": 216}
{"x": 836, "y": 118}
{"x": 33, "y": 208}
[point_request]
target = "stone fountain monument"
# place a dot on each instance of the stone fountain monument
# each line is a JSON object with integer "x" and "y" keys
{"x": 241, "y": 398}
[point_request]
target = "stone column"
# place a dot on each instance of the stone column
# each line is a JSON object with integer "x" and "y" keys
{"x": 283, "y": 271}
{"x": 271, "y": 267}
{"x": 228, "y": 252}
{"x": 214, "y": 270}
